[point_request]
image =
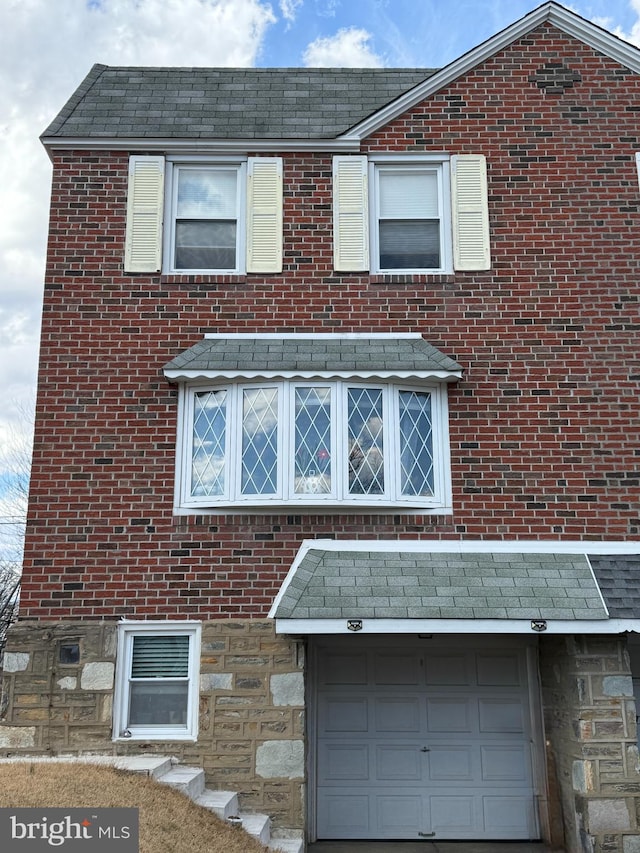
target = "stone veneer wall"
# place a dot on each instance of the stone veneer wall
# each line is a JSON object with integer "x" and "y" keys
{"x": 590, "y": 727}
{"x": 251, "y": 736}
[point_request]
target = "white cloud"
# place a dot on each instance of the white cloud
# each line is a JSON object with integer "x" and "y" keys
{"x": 348, "y": 48}
{"x": 289, "y": 8}
{"x": 633, "y": 35}
{"x": 46, "y": 49}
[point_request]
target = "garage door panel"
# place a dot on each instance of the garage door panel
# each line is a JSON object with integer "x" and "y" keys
{"x": 506, "y": 816}
{"x": 399, "y": 762}
{"x": 342, "y": 762}
{"x": 350, "y": 714}
{"x": 345, "y": 814}
{"x": 505, "y": 763}
{"x": 453, "y": 814}
{"x": 397, "y": 714}
{"x": 399, "y": 815}
{"x": 449, "y": 714}
{"x": 498, "y": 670}
{"x": 501, "y": 715}
{"x": 400, "y": 669}
{"x": 447, "y": 763}
{"x": 447, "y": 669}
{"x": 344, "y": 669}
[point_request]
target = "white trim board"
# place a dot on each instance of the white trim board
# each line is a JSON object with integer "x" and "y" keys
{"x": 456, "y": 626}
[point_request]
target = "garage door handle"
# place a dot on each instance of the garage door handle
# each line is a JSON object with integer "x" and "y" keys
{"x": 425, "y": 749}
{"x": 426, "y": 834}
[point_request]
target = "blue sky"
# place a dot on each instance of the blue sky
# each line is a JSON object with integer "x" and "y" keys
{"x": 48, "y": 46}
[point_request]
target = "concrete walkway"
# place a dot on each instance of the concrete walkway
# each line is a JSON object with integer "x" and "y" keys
{"x": 428, "y": 847}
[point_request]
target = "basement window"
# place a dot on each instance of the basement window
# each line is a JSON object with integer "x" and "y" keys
{"x": 156, "y": 688}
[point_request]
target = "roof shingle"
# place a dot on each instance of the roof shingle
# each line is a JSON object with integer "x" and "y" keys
{"x": 228, "y": 103}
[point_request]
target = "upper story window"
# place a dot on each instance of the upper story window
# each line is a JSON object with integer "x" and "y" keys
{"x": 206, "y": 216}
{"x": 411, "y": 228}
{"x": 422, "y": 213}
{"x": 205, "y": 210}
{"x": 270, "y": 433}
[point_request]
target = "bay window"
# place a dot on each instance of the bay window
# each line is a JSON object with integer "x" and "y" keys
{"x": 312, "y": 443}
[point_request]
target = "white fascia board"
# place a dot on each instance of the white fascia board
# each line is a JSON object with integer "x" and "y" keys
{"x": 314, "y": 336}
{"x": 456, "y": 626}
{"x": 405, "y": 375}
{"x": 201, "y": 146}
{"x": 475, "y": 546}
{"x": 562, "y": 18}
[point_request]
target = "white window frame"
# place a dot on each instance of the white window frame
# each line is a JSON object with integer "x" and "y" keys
{"x": 173, "y": 168}
{"x": 438, "y": 164}
{"x": 127, "y": 631}
{"x": 339, "y": 496}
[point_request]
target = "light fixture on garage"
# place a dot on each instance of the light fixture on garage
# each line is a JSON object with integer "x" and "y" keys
{"x": 539, "y": 625}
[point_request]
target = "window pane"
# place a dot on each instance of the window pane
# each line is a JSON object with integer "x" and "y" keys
{"x": 366, "y": 448}
{"x": 408, "y": 194}
{"x": 160, "y": 657}
{"x": 206, "y": 245}
{"x": 163, "y": 704}
{"x": 207, "y": 193}
{"x": 312, "y": 440}
{"x": 260, "y": 441}
{"x": 209, "y": 428}
{"x": 409, "y": 244}
{"x": 416, "y": 445}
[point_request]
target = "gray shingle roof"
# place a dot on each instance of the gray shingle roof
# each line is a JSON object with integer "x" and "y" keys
{"x": 352, "y": 584}
{"x": 224, "y": 355}
{"x": 619, "y": 580}
{"x": 228, "y": 103}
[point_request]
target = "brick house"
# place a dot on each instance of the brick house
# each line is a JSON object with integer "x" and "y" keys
{"x": 335, "y": 480}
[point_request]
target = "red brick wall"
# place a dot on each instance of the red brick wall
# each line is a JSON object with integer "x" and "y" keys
{"x": 544, "y": 425}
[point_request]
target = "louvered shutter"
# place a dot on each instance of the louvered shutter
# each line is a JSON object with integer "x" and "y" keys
{"x": 264, "y": 214}
{"x": 471, "y": 248}
{"x": 350, "y": 214}
{"x": 143, "y": 241}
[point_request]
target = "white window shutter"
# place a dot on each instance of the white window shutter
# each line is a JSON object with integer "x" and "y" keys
{"x": 638, "y": 166}
{"x": 350, "y": 214}
{"x": 470, "y": 212}
{"x": 264, "y": 214}
{"x": 145, "y": 202}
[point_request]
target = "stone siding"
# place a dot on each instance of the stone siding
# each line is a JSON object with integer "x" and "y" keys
{"x": 251, "y": 737}
{"x": 590, "y": 726}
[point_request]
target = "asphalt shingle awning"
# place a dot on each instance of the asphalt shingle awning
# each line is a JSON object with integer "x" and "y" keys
{"x": 334, "y": 588}
{"x": 402, "y": 355}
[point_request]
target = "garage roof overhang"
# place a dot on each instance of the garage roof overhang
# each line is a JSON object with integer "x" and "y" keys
{"x": 423, "y": 587}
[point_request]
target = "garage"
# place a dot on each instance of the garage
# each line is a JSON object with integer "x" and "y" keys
{"x": 423, "y": 737}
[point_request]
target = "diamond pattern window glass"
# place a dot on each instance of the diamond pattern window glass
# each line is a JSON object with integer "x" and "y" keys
{"x": 260, "y": 441}
{"x": 366, "y": 441}
{"x": 312, "y": 440}
{"x": 208, "y": 455}
{"x": 416, "y": 445}
{"x": 301, "y": 442}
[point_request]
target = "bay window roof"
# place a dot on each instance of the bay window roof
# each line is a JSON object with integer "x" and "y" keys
{"x": 247, "y": 356}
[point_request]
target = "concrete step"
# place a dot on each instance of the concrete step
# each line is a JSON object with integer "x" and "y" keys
{"x": 222, "y": 803}
{"x": 257, "y": 825}
{"x": 150, "y": 765}
{"x": 189, "y": 780}
{"x": 286, "y": 845}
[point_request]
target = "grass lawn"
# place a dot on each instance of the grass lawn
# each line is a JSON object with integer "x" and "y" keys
{"x": 169, "y": 821}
